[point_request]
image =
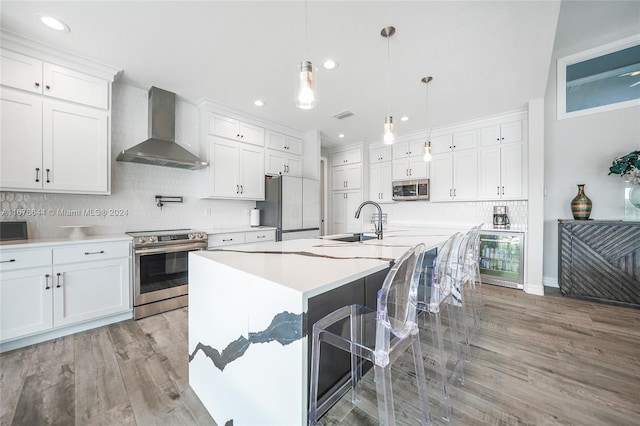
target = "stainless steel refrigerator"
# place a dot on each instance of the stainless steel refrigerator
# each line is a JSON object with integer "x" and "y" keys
{"x": 292, "y": 205}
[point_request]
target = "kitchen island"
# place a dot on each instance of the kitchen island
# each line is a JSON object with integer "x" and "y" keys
{"x": 252, "y": 306}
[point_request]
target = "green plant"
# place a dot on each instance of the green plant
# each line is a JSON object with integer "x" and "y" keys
{"x": 628, "y": 167}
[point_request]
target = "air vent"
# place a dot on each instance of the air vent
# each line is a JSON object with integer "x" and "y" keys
{"x": 342, "y": 115}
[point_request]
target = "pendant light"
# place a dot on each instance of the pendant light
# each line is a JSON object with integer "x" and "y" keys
{"x": 305, "y": 95}
{"x": 388, "y": 135}
{"x": 427, "y": 143}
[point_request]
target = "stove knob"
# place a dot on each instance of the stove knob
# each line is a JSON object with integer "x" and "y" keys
{"x": 192, "y": 236}
{"x": 153, "y": 239}
{"x": 200, "y": 235}
{"x": 141, "y": 240}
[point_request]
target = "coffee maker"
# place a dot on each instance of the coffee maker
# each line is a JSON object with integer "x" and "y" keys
{"x": 500, "y": 218}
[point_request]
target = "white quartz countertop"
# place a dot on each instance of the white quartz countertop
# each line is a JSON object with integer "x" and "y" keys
{"x": 40, "y": 242}
{"x": 211, "y": 231}
{"x": 313, "y": 266}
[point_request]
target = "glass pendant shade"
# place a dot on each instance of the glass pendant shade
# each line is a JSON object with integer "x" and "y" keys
{"x": 305, "y": 96}
{"x": 388, "y": 136}
{"x": 427, "y": 151}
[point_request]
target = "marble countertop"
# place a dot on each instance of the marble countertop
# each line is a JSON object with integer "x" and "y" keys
{"x": 40, "y": 242}
{"x": 313, "y": 266}
{"x": 232, "y": 230}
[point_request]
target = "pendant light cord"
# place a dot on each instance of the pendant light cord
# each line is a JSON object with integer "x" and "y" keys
{"x": 306, "y": 31}
{"x": 388, "y": 78}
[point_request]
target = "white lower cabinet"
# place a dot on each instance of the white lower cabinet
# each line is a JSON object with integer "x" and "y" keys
{"x": 345, "y": 204}
{"x": 233, "y": 238}
{"x": 26, "y": 302}
{"x": 42, "y": 289}
{"x": 87, "y": 290}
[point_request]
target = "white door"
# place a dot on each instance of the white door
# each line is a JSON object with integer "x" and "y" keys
{"x": 291, "y": 203}
{"x": 251, "y": 172}
{"x": 25, "y": 302}
{"x": 20, "y": 140}
{"x": 465, "y": 174}
{"x": 310, "y": 203}
{"x": 75, "y": 147}
{"x": 89, "y": 290}
{"x": 441, "y": 183}
{"x": 224, "y": 168}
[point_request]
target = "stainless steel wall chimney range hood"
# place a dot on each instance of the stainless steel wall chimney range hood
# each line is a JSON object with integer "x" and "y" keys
{"x": 161, "y": 148}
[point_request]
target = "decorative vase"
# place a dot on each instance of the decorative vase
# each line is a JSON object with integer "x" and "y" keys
{"x": 632, "y": 202}
{"x": 581, "y": 205}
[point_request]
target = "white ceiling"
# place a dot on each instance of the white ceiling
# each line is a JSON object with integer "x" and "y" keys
{"x": 486, "y": 57}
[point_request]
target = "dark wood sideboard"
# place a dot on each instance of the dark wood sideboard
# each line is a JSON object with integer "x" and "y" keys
{"x": 600, "y": 260}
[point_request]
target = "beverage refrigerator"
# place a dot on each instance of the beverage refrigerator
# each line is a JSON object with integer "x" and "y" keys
{"x": 502, "y": 258}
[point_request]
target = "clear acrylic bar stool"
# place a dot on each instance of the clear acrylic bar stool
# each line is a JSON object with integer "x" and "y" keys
{"x": 438, "y": 298}
{"x": 379, "y": 336}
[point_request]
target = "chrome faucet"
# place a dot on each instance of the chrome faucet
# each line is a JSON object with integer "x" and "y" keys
{"x": 379, "y": 224}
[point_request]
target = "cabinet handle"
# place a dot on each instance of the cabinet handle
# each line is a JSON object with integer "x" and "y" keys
{"x": 503, "y": 190}
{"x": 410, "y": 172}
{"x": 87, "y": 253}
{"x": 58, "y": 280}
{"x": 237, "y": 189}
{"x": 46, "y": 282}
{"x": 226, "y": 241}
{"x": 260, "y": 236}
{"x": 454, "y": 192}
{"x": 48, "y": 87}
{"x": 8, "y": 261}
{"x": 48, "y": 170}
{"x": 37, "y": 174}
{"x": 498, "y": 190}
{"x": 238, "y": 135}
{"x": 450, "y": 192}
{"x": 241, "y": 189}
{"x": 37, "y": 84}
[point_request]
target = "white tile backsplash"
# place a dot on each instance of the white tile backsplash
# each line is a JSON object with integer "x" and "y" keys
{"x": 131, "y": 205}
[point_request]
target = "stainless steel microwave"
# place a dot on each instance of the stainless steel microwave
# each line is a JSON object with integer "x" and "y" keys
{"x": 406, "y": 190}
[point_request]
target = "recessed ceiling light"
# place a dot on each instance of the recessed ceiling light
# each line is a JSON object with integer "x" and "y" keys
{"x": 404, "y": 118}
{"x": 341, "y": 135}
{"x": 54, "y": 23}
{"x": 258, "y": 103}
{"x": 330, "y": 64}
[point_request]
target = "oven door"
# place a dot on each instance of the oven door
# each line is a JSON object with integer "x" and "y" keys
{"x": 162, "y": 272}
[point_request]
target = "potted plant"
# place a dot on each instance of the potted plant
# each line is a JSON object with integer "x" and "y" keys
{"x": 628, "y": 167}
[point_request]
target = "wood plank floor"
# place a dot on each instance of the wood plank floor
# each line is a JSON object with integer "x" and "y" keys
{"x": 539, "y": 361}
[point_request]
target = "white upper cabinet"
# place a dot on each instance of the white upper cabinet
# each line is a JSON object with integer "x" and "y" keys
{"x": 235, "y": 129}
{"x": 441, "y": 144}
{"x": 408, "y": 149}
{"x": 380, "y": 182}
{"x": 503, "y": 133}
{"x": 454, "y": 166}
{"x": 236, "y": 171}
{"x": 410, "y": 168}
{"x": 53, "y": 145}
{"x": 20, "y": 71}
{"x": 280, "y": 163}
{"x": 347, "y": 177}
{"x": 380, "y": 154}
{"x": 347, "y": 157}
{"x": 285, "y": 143}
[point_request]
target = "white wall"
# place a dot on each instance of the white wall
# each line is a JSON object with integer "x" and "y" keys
{"x": 580, "y": 150}
{"x": 134, "y": 186}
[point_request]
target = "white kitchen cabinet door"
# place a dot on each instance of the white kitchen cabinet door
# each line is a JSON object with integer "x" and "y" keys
{"x": 441, "y": 144}
{"x": 353, "y": 201}
{"x": 75, "y": 148}
{"x": 339, "y": 178}
{"x": 251, "y": 172}
{"x": 465, "y": 140}
{"x": 275, "y": 163}
{"x": 339, "y": 212}
{"x": 25, "y": 302}
{"x": 20, "y": 71}
{"x": 441, "y": 183}
{"x": 380, "y": 154}
{"x": 294, "y": 166}
{"x": 512, "y": 171}
{"x": 237, "y": 130}
{"x": 380, "y": 185}
{"x": 489, "y": 173}
{"x": 418, "y": 168}
{"x": 346, "y": 157}
{"x": 510, "y": 132}
{"x": 285, "y": 143}
{"x": 465, "y": 175}
{"x": 354, "y": 176}
{"x": 89, "y": 290}
{"x": 400, "y": 169}
{"x": 74, "y": 86}
{"x": 20, "y": 140}
{"x": 251, "y": 134}
{"x": 225, "y": 168}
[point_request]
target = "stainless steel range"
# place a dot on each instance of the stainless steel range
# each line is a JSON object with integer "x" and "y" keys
{"x": 161, "y": 266}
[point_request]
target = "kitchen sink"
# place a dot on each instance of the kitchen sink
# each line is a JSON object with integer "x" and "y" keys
{"x": 353, "y": 238}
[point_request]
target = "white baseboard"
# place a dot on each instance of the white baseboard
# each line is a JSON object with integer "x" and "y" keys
{"x": 32, "y": 339}
{"x": 550, "y": 282}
